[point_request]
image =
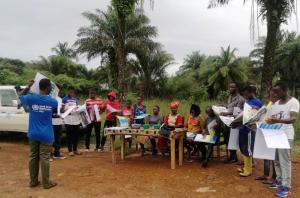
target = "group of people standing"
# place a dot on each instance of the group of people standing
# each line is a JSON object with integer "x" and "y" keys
{"x": 44, "y": 118}
{"x": 282, "y": 109}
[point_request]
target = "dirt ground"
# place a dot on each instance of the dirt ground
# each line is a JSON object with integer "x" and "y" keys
{"x": 93, "y": 175}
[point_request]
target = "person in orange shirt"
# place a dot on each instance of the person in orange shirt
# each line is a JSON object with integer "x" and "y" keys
{"x": 194, "y": 124}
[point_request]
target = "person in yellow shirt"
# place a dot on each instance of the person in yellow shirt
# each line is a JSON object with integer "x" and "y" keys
{"x": 194, "y": 124}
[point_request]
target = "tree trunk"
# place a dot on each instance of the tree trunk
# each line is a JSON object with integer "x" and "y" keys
{"x": 120, "y": 55}
{"x": 273, "y": 28}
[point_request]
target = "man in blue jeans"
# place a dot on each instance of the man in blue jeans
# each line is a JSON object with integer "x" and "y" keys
{"x": 40, "y": 132}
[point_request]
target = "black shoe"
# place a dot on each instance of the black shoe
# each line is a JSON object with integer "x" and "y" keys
{"x": 230, "y": 161}
{"x": 204, "y": 164}
{"x": 32, "y": 185}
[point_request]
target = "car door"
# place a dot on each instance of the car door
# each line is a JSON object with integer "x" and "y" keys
{"x": 12, "y": 118}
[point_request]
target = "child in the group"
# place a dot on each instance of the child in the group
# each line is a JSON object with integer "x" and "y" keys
{"x": 139, "y": 109}
{"x": 72, "y": 122}
{"x": 272, "y": 97}
{"x": 194, "y": 124}
{"x": 247, "y": 133}
{"x": 112, "y": 108}
{"x": 96, "y": 123}
{"x": 40, "y": 132}
{"x": 127, "y": 112}
{"x": 285, "y": 112}
{"x": 173, "y": 120}
{"x": 155, "y": 118}
{"x": 214, "y": 120}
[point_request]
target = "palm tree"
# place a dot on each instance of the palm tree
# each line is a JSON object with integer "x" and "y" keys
{"x": 193, "y": 61}
{"x": 275, "y": 12}
{"x": 288, "y": 61}
{"x": 101, "y": 39}
{"x": 150, "y": 68}
{"x": 63, "y": 49}
{"x": 225, "y": 69}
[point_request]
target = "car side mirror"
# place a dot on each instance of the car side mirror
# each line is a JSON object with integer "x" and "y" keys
{"x": 15, "y": 103}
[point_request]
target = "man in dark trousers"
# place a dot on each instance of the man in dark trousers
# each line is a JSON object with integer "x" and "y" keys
{"x": 235, "y": 102}
{"x": 40, "y": 132}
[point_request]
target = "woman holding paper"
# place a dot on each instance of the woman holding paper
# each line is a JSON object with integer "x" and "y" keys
{"x": 72, "y": 121}
{"x": 93, "y": 106}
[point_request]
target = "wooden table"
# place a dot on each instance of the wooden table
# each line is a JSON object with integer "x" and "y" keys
{"x": 176, "y": 134}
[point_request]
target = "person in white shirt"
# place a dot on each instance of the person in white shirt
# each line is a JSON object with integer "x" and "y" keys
{"x": 285, "y": 112}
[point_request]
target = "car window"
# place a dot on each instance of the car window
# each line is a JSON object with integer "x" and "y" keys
{"x": 7, "y": 97}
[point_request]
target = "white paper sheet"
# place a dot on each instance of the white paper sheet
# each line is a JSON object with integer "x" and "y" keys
{"x": 112, "y": 110}
{"x": 59, "y": 105}
{"x": 275, "y": 138}
{"x": 261, "y": 151}
{"x": 68, "y": 111}
{"x": 219, "y": 109}
{"x": 35, "y": 87}
{"x": 233, "y": 143}
{"x": 227, "y": 120}
{"x": 128, "y": 136}
{"x": 96, "y": 109}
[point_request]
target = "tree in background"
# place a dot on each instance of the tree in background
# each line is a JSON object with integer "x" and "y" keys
{"x": 63, "y": 49}
{"x": 225, "y": 69}
{"x": 100, "y": 39}
{"x": 275, "y": 12}
{"x": 288, "y": 61}
{"x": 150, "y": 68}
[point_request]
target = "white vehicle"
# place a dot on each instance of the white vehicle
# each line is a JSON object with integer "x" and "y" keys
{"x": 13, "y": 117}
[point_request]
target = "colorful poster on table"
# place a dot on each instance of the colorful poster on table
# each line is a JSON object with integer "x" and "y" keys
{"x": 211, "y": 138}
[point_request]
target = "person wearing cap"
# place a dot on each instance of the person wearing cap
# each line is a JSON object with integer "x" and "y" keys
{"x": 112, "y": 108}
{"x": 174, "y": 119}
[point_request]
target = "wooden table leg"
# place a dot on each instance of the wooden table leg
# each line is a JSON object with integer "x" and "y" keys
{"x": 180, "y": 150}
{"x": 173, "y": 153}
{"x": 123, "y": 147}
{"x": 113, "y": 149}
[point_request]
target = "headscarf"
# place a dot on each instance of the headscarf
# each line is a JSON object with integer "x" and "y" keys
{"x": 174, "y": 105}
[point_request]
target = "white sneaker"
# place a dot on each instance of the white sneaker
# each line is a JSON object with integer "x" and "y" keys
{"x": 98, "y": 150}
{"x": 61, "y": 157}
{"x": 87, "y": 150}
{"x": 50, "y": 160}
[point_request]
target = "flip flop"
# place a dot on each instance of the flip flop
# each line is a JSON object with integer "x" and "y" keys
{"x": 261, "y": 178}
{"x": 50, "y": 185}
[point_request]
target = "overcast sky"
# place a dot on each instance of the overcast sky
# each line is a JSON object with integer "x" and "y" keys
{"x": 30, "y": 28}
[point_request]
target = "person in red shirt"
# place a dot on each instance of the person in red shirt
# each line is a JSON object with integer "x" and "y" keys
{"x": 93, "y": 104}
{"x": 174, "y": 119}
{"x": 112, "y": 108}
{"x": 127, "y": 111}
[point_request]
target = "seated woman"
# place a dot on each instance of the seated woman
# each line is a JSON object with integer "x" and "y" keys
{"x": 194, "y": 124}
{"x": 155, "y": 118}
{"x": 211, "y": 122}
{"x": 173, "y": 120}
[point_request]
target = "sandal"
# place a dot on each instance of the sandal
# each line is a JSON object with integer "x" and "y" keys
{"x": 50, "y": 185}
{"x": 261, "y": 178}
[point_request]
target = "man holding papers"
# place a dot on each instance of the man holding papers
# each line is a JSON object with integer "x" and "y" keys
{"x": 284, "y": 112}
{"x": 235, "y": 101}
{"x": 93, "y": 106}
